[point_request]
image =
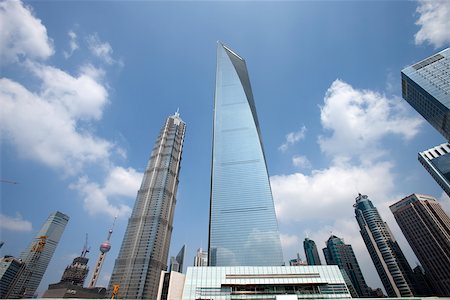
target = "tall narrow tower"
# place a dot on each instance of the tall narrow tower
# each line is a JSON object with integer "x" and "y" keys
{"x": 392, "y": 266}
{"x": 37, "y": 257}
{"x": 243, "y": 229}
{"x": 104, "y": 249}
{"x": 145, "y": 246}
{"x": 312, "y": 256}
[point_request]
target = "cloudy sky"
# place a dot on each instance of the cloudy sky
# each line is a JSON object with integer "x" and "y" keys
{"x": 85, "y": 87}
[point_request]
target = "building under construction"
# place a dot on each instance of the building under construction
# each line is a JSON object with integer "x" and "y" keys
{"x": 72, "y": 281}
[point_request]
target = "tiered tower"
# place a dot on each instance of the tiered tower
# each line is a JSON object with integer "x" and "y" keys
{"x": 145, "y": 246}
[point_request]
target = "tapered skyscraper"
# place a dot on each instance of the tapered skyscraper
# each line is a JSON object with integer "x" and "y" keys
{"x": 37, "y": 257}
{"x": 392, "y": 266}
{"x": 426, "y": 226}
{"x": 243, "y": 229}
{"x": 145, "y": 246}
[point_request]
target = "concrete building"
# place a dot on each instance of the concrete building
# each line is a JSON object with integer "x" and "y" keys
{"x": 426, "y": 226}
{"x": 72, "y": 281}
{"x": 145, "y": 246}
{"x": 171, "y": 286}
{"x": 201, "y": 258}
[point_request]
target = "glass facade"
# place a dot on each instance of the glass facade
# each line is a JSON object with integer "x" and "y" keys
{"x": 312, "y": 255}
{"x": 390, "y": 263}
{"x": 243, "y": 227}
{"x": 340, "y": 254}
{"x": 426, "y": 87}
{"x": 37, "y": 258}
{"x": 145, "y": 246}
{"x": 299, "y": 282}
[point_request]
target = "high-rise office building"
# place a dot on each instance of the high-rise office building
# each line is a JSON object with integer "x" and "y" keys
{"x": 426, "y": 226}
{"x": 437, "y": 162}
{"x": 390, "y": 263}
{"x": 426, "y": 87}
{"x": 145, "y": 246}
{"x": 201, "y": 258}
{"x": 341, "y": 254}
{"x": 312, "y": 255}
{"x": 243, "y": 229}
{"x": 37, "y": 256}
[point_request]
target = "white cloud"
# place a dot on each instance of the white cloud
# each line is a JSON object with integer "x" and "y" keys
{"x": 301, "y": 161}
{"x": 100, "y": 49}
{"x": 22, "y": 35}
{"x": 321, "y": 203}
{"x": 292, "y": 138}
{"x": 289, "y": 240}
{"x": 73, "y": 45}
{"x": 358, "y": 121}
{"x": 329, "y": 193}
{"x": 434, "y": 22}
{"x": 106, "y": 199}
{"x": 82, "y": 96}
{"x": 16, "y": 223}
{"x": 46, "y": 130}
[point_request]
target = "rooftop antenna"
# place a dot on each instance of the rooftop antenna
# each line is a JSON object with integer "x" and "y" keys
{"x": 86, "y": 249}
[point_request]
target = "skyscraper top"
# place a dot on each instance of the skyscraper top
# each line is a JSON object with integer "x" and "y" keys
{"x": 230, "y": 50}
{"x": 176, "y": 117}
{"x": 426, "y": 87}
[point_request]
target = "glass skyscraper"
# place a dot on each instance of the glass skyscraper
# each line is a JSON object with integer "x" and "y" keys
{"x": 426, "y": 226}
{"x": 312, "y": 255}
{"x": 390, "y": 263}
{"x": 37, "y": 256}
{"x": 243, "y": 229}
{"x": 437, "y": 162}
{"x": 426, "y": 87}
{"x": 340, "y": 254}
{"x": 145, "y": 246}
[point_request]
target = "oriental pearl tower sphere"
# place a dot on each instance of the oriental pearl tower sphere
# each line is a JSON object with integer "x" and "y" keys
{"x": 104, "y": 248}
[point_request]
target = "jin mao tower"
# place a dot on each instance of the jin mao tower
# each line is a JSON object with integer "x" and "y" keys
{"x": 145, "y": 246}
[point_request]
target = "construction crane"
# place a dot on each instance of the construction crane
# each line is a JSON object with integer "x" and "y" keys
{"x": 8, "y": 181}
{"x": 18, "y": 289}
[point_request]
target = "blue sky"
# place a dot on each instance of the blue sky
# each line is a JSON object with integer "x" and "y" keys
{"x": 86, "y": 85}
